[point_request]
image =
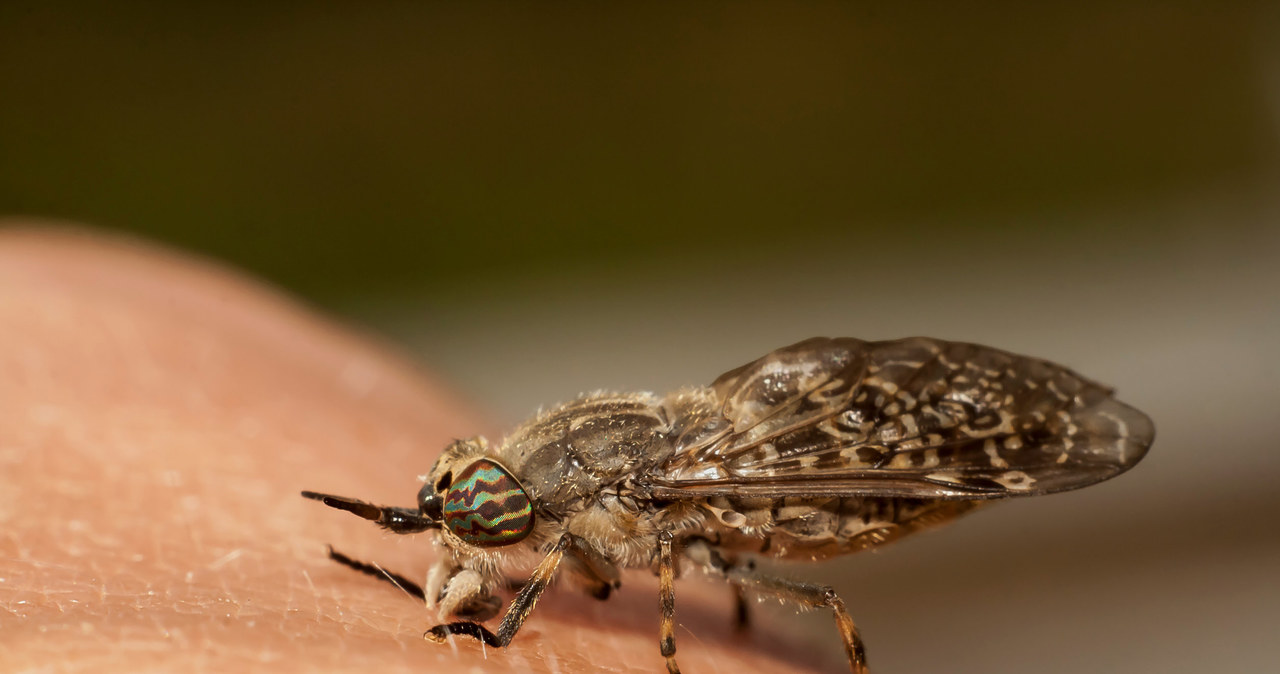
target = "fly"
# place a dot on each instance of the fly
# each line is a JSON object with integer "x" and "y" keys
{"x": 822, "y": 448}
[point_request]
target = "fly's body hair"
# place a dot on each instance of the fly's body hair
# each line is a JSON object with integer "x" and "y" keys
{"x": 824, "y": 448}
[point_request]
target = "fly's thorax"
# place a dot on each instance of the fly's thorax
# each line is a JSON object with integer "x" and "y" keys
{"x": 625, "y": 529}
{"x": 568, "y": 455}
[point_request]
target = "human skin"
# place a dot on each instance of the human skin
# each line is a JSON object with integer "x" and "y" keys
{"x": 159, "y": 415}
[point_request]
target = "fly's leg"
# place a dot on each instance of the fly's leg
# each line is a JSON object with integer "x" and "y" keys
{"x": 520, "y": 607}
{"x": 595, "y": 573}
{"x": 741, "y": 611}
{"x": 815, "y": 596}
{"x": 599, "y": 574}
{"x": 407, "y": 586}
{"x": 594, "y": 587}
{"x": 667, "y": 600}
{"x": 810, "y": 595}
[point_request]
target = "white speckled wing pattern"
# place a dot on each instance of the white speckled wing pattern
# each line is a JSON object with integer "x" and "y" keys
{"x": 916, "y": 417}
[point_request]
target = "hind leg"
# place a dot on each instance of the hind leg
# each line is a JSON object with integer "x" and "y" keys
{"x": 744, "y": 575}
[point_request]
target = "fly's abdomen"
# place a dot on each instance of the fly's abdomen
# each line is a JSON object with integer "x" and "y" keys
{"x": 802, "y": 528}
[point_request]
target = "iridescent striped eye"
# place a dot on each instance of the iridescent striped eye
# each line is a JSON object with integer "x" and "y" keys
{"x": 486, "y": 507}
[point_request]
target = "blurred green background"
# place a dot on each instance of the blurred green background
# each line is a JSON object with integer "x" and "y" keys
{"x": 546, "y": 199}
{"x": 346, "y": 149}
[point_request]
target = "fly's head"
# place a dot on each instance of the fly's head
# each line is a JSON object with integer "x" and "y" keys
{"x": 476, "y": 499}
{"x": 482, "y": 510}
{"x": 479, "y": 510}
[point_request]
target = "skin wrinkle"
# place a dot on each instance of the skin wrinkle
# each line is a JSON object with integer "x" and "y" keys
{"x": 158, "y": 416}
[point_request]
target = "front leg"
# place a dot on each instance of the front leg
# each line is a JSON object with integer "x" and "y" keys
{"x": 520, "y": 607}
{"x": 591, "y": 579}
{"x": 375, "y": 570}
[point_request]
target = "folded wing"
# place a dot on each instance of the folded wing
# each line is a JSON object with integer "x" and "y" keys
{"x": 914, "y": 417}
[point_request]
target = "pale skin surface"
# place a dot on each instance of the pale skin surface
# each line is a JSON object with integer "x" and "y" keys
{"x": 158, "y": 417}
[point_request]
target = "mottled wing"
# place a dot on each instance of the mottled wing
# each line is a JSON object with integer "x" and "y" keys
{"x": 913, "y": 417}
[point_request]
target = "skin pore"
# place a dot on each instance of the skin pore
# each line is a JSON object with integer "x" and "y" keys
{"x": 159, "y": 415}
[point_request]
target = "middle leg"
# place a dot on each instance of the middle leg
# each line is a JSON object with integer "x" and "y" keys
{"x": 667, "y": 600}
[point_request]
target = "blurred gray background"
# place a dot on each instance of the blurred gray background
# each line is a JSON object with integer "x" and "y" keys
{"x": 544, "y": 200}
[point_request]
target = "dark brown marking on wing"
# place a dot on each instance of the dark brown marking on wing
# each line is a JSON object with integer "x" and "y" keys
{"x": 916, "y": 417}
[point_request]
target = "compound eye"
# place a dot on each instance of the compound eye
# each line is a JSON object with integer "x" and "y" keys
{"x": 486, "y": 507}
